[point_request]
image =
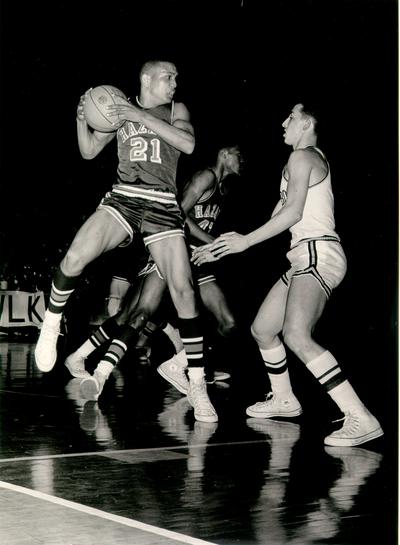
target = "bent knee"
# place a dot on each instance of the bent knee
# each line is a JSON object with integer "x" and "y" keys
{"x": 259, "y": 334}
{"x": 296, "y": 338}
{"x": 227, "y": 328}
{"x": 73, "y": 263}
{"x": 138, "y": 319}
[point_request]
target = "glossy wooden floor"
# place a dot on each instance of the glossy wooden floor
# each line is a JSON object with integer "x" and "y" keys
{"x": 136, "y": 468}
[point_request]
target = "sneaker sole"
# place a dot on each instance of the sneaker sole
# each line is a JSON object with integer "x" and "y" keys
{"x": 201, "y": 418}
{"x": 290, "y": 414}
{"x": 77, "y": 374}
{"x": 345, "y": 442}
{"x": 89, "y": 389}
{"x": 178, "y": 386}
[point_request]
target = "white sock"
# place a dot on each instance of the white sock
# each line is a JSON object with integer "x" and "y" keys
{"x": 325, "y": 369}
{"x": 105, "y": 368}
{"x": 52, "y": 318}
{"x": 346, "y": 398}
{"x": 280, "y": 383}
{"x": 86, "y": 348}
{"x": 196, "y": 374}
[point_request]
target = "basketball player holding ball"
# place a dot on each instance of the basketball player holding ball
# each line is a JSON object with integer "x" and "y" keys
{"x": 142, "y": 202}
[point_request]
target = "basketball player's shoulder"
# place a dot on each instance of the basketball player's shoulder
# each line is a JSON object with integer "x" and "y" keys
{"x": 300, "y": 156}
{"x": 180, "y": 111}
{"x": 203, "y": 179}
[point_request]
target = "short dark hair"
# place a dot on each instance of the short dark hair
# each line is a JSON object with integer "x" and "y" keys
{"x": 312, "y": 110}
{"x": 149, "y": 65}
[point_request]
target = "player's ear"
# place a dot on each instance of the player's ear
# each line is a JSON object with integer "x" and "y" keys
{"x": 308, "y": 123}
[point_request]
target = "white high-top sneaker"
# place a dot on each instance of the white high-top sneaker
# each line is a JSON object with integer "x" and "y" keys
{"x": 173, "y": 370}
{"x": 285, "y": 405}
{"x": 75, "y": 363}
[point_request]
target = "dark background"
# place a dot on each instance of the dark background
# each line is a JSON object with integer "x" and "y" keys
{"x": 243, "y": 65}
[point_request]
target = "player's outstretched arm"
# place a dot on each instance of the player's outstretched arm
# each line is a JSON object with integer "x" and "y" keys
{"x": 298, "y": 171}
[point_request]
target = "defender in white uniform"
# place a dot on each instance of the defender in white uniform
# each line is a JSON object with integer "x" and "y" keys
{"x": 295, "y": 303}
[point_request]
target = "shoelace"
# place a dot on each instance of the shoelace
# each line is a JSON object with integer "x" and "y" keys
{"x": 351, "y": 423}
{"x": 48, "y": 331}
{"x": 269, "y": 398}
{"x": 200, "y": 396}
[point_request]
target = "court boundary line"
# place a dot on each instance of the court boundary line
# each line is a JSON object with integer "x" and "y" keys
{"x": 132, "y": 523}
{"x": 125, "y": 451}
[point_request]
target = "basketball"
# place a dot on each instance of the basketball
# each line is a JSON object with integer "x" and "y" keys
{"x": 95, "y": 108}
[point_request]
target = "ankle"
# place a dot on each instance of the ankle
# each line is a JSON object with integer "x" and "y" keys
{"x": 196, "y": 374}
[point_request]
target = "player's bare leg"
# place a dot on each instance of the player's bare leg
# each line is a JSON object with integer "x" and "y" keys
{"x": 172, "y": 259}
{"x": 306, "y": 301}
{"x": 265, "y": 329}
{"x": 101, "y": 232}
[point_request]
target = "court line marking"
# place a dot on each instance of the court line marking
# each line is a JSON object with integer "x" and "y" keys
{"x": 122, "y": 451}
{"x": 104, "y": 515}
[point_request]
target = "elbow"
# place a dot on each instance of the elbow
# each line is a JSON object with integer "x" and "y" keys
{"x": 87, "y": 154}
{"x": 297, "y": 216}
{"x": 188, "y": 147}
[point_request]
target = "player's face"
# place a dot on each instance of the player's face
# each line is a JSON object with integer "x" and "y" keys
{"x": 293, "y": 126}
{"x": 163, "y": 82}
{"x": 234, "y": 161}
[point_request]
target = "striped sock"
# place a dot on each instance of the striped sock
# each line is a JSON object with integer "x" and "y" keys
{"x": 61, "y": 289}
{"x": 104, "y": 333}
{"x": 326, "y": 369}
{"x": 277, "y": 369}
{"x": 146, "y": 333}
{"x": 190, "y": 332}
{"x": 119, "y": 346}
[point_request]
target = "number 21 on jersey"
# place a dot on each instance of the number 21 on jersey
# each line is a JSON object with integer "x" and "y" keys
{"x": 145, "y": 150}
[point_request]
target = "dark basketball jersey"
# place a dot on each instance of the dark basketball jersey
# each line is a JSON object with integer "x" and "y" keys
{"x": 145, "y": 160}
{"x": 207, "y": 208}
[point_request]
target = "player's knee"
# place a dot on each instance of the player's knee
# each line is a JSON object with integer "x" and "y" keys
{"x": 73, "y": 263}
{"x": 138, "y": 319}
{"x": 295, "y": 338}
{"x": 259, "y": 334}
{"x": 227, "y": 327}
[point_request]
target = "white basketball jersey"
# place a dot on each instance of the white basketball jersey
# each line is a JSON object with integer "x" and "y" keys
{"x": 318, "y": 214}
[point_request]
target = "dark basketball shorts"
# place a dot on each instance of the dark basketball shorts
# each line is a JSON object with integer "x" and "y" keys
{"x": 152, "y": 214}
{"x": 324, "y": 260}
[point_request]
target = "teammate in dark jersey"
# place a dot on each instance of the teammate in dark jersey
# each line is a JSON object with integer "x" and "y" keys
{"x": 142, "y": 202}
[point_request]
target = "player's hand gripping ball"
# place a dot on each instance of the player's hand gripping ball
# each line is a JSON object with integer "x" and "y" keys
{"x": 95, "y": 109}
